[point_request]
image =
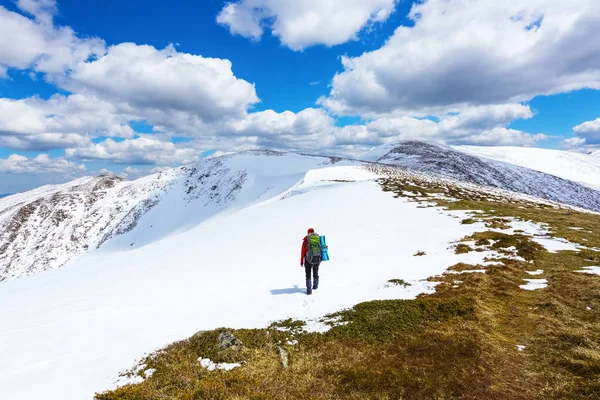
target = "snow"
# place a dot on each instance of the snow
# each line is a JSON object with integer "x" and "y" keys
{"x": 149, "y": 372}
{"x": 206, "y": 363}
{"x": 590, "y": 270}
{"x": 536, "y": 272}
{"x": 48, "y": 227}
{"x": 178, "y": 254}
{"x": 467, "y": 271}
{"x": 534, "y": 284}
{"x": 79, "y": 326}
{"x": 578, "y": 167}
{"x": 554, "y": 245}
{"x": 521, "y": 347}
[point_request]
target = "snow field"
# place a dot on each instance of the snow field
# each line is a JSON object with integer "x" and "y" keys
{"x": 84, "y": 323}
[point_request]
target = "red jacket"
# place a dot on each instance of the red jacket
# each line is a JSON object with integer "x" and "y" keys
{"x": 303, "y": 251}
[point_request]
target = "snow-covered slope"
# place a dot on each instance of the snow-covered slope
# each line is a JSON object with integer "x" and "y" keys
{"x": 194, "y": 248}
{"x": 438, "y": 160}
{"x": 578, "y": 167}
{"x": 71, "y": 330}
{"x": 47, "y": 227}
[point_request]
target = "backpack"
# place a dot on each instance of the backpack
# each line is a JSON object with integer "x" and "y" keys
{"x": 313, "y": 249}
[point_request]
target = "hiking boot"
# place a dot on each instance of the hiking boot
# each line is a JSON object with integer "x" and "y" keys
{"x": 316, "y": 284}
{"x": 308, "y": 287}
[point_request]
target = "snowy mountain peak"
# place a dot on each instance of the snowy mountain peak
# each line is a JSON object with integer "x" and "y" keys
{"x": 50, "y": 226}
{"x": 457, "y": 164}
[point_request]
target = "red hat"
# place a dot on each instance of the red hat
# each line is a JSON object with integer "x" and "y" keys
{"x": 311, "y": 230}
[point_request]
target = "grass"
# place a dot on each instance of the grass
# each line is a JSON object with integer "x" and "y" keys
{"x": 399, "y": 282}
{"x": 458, "y": 343}
{"x": 419, "y": 253}
{"x": 462, "y": 249}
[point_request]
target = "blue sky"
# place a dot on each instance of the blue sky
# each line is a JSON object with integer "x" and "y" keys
{"x": 130, "y": 88}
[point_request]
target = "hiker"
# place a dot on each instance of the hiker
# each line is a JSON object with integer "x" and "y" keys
{"x": 310, "y": 259}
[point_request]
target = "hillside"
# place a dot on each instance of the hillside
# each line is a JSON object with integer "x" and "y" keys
{"x": 47, "y": 227}
{"x": 577, "y": 167}
{"x": 216, "y": 245}
{"x": 443, "y": 161}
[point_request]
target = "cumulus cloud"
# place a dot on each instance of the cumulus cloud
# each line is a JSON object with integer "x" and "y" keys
{"x": 451, "y": 130}
{"x": 588, "y": 127}
{"x": 573, "y": 142}
{"x": 500, "y": 137}
{"x": 41, "y": 164}
{"x": 484, "y": 117}
{"x": 270, "y": 123}
{"x": 181, "y": 94}
{"x": 465, "y": 53}
{"x": 303, "y": 23}
{"x": 588, "y": 132}
{"x": 146, "y": 78}
{"x": 42, "y": 10}
{"x": 137, "y": 80}
{"x": 61, "y": 121}
{"x": 144, "y": 150}
{"x": 38, "y": 44}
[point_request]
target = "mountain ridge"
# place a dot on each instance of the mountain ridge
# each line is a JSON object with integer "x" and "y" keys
{"x": 49, "y": 226}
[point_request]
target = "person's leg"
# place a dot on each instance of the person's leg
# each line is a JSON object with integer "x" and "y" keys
{"x": 316, "y": 276}
{"x": 308, "y": 269}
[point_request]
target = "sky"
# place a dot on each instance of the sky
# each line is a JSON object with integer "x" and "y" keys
{"x": 134, "y": 87}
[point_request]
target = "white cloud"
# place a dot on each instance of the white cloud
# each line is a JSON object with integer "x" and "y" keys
{"x": 143, "y": 78}
{"x": 37, "y": 44}
{"x": 303, "y": 23}
{"x": 139, "y": 151}
{"x": 270, "y": 123}
{"x": 589, "y": 131}
{"x": 43, "y": 141}
{"x": 500, "y": 137}
{"x": 138, "y": 81}
{"x": 42, "y": 10}
{"x": 41, "y": 164}
{"x": 464, "y": 53}
{"x": 574, "y": 142}
{"x": 588, "y": 127}
{"x": 189, "y": 95}
{"x": 483, "y": 125}
{"x": 61, "y": 121}
{"x": 484, "y": 117}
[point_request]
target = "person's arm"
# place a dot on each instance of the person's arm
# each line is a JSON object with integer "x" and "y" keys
{"x": 303, "y": 252}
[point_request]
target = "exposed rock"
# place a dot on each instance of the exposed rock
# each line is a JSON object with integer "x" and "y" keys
{"x": 227, "y": 341}
{"x": 283, "y": 354}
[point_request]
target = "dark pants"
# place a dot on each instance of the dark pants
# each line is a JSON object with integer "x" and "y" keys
{"x": 310, "y": 267}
